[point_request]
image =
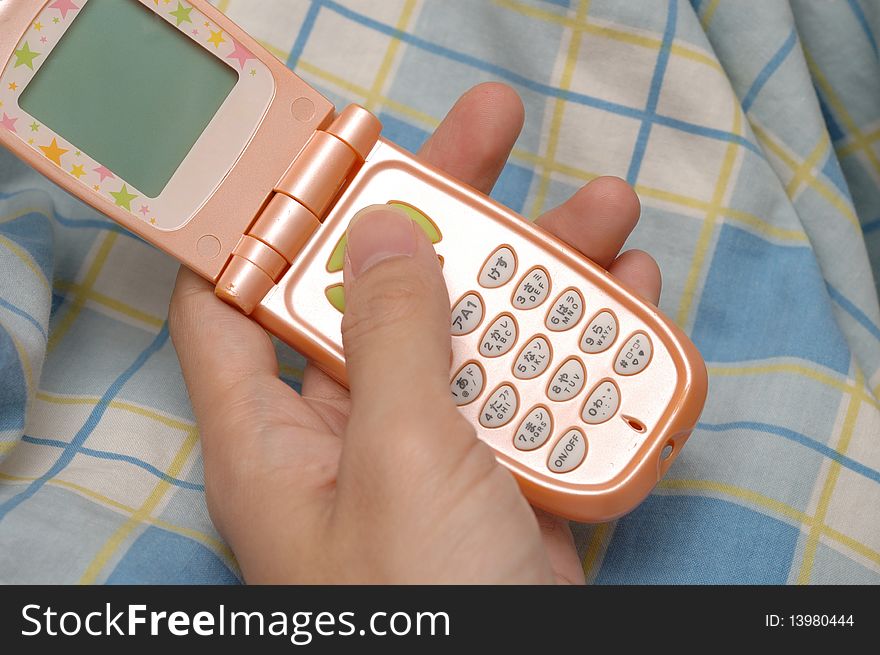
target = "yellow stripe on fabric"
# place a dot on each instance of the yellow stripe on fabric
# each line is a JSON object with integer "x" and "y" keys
{"x": 617, "y": 34}
{"x": 854, "y": 134}
{"x": 870, "y": 137}
{"x": 772, "y": 505}
{"x": 175, "y": 423}
{"x": 6, "y": 446}
{"x": 375, "y": 93}
{"x": 26, "y": 259}
{"x": 215, "y": 544}
{"x": 559, "y": 108}
{"x": 802, "y": 172}
{"x": 594, "y": 555}
{"x": 79, "y": 301}
{"x": 708, "y": 15}
{"x": 768, "y": 142}
{"x": 708, "y": 227}
{"x": 138, "y": 517}
{"x": 363, "y": 92}
{"x": 24, "y": 212}
{"x": 111, "y": 303}
{"x": 760, "y": 226}
{"x": 823, "y": 189}
{"x": 795, "y": 369}
{"x": 834, "y": 468}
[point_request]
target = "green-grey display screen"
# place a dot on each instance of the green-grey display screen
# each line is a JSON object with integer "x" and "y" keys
{"x": 130, "y": 90}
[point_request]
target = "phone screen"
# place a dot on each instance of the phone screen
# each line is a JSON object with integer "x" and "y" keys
{"x": 130, "y": 90}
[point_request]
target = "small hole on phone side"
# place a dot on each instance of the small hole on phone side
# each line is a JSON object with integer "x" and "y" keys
{"x": 667, "y": 451}
{"x": 634, "y": 423}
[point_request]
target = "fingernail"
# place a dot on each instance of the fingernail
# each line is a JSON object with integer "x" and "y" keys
{"x": 378, "y": 233}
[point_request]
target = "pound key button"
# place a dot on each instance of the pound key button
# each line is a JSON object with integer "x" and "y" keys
{"x": 635, "y": 355}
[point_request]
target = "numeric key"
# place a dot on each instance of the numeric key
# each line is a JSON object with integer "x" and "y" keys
{"x": 532, "y": 289}
{"x": 500, "y": 337}
{"x": 500, "y": 407}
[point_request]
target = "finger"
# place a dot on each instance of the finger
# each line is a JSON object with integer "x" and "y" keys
{"x": 318, "y": 388}
{"x": 597, "y": 219}
{"x": 396, "y": 325}
{"x": 559, "y": 544}
{"x": 637, "y": 270}
{"x": 475, "y": 139}
{"x": 229, "y": 365}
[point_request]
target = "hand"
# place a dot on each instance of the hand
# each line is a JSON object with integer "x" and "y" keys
{"x": 388, "y": 484}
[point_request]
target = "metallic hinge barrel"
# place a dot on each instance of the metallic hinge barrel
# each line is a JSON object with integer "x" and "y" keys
{"x": 302, "y": 198}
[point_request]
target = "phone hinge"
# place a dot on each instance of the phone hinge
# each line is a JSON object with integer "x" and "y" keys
{"x": 300, "y": 201}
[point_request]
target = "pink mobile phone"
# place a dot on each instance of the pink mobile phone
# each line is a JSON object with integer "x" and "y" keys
{"x": 172, "y": 121}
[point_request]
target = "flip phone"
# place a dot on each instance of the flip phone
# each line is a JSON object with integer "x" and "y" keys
{"x": 175, "y": 123}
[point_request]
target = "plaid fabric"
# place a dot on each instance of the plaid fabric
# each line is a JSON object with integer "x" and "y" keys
{"x": 751, "y": 131}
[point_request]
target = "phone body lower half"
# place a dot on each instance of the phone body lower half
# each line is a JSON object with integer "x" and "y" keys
{"x": 585, "y": 392}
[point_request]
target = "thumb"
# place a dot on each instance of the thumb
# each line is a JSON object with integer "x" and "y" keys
{"x": 396, "y": 325}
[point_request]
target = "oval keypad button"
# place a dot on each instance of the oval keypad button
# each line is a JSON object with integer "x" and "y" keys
{"x": 467, "y": 383}
{"x": 634, "y": 356}
{"x": 500, "y": 337}
{"x": 467, "y": 315}
{"x": 533, "y": 359}
{"x": 499, "y": 408}
{"x": 600, "y": 333}
{"x": 566, "y": 311}
{"x": 534, "y": 430}
{"x": 532, "y": 289}
{"x": 567, "y": 382}
{"x": 602, "y": 403}
{"x": 569, "y": 452}
{"x": 498, "y": 269}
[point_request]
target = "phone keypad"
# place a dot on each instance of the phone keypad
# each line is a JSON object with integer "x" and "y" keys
{"x": 534, "y": 357}
{"x": 467, "y": 315}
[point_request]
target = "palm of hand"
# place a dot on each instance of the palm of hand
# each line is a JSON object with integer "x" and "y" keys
{"x": 331, "y": 487}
